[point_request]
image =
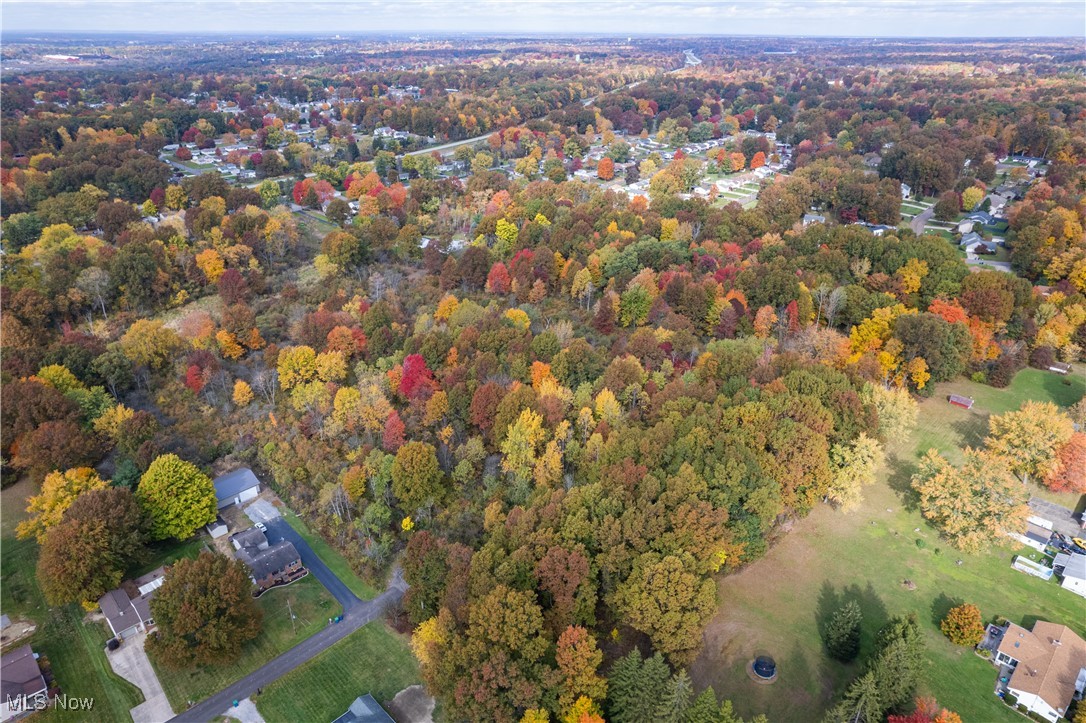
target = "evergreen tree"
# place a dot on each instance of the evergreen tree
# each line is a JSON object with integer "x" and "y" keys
{"x": 862, "y": 702}
{"x": 842, "y": 635}
{"x": 672, "y": 707}
{"x": 704, "y": 709}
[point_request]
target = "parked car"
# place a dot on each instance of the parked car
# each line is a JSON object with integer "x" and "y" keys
{"x": 261, "y": 526}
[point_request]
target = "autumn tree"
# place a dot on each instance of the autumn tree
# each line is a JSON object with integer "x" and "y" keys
{"x": 1068, "y": 474}
{"x": 58, "y": 492}
{"x": 606, "y": 169}
{"x": 177, "y": 497}
{"x": 100, "y": 536}
{"x": 855, "y": 465}
{"x": 667, "y": 602}
{"x": 204, "y": 612}
{"x": 416, "y": 477}
{"x": 56, "y": 445}
{"x": 1030, "y": 438}
{"x": 578, "y": 659}
{"x": 963, "y": 625}
{"x": 974, "y": 504}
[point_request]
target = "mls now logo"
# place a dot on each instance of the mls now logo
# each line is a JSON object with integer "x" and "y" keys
{"x": 40, "y": 701}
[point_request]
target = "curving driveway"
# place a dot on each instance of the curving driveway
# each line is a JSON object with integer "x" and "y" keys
{"x": 130, "y": 661}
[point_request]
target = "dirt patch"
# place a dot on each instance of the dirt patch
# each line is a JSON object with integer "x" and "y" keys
{"x": 15, "y": 632}
{"x": 412, "y": 705}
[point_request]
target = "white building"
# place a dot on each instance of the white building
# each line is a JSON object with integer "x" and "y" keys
{"x": 1073, "y": 574}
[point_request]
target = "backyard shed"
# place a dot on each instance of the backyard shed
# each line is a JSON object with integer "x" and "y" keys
{"x": 959, "y": 401}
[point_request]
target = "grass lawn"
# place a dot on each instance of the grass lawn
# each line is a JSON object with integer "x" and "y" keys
{"x": 311, "y": 605}
{"x": 372, "y": 660}
{"x": 74, "y": 649}
{"x": 776, "y": 604}
{"x": 336, "y": 562}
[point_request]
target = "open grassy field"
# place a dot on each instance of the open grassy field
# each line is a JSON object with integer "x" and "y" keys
{"x": 372, "y": 660}
{"x": 73, "y": 648}
{"x": 777, "y": 604}
{"x": 336, "y": 562}
{"x": 311, "y": 606}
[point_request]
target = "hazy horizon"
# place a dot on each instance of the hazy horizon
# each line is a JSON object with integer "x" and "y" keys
{"x": 890, "y": 19}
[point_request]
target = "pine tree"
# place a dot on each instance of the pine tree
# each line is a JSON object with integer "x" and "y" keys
{"x": 842, "y": 636}
{"x": 862, "y": 702}
{"x": 704, "y": 709}
{"x": 672, "y": 707}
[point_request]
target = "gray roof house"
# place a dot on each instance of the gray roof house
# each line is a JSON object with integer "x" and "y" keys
{"x": 20, "y": 679}
{"x": 128, "y": 608}
{"x": 236, "y": 487}
{"x": 365, "y": 709}
{"x": 970, "y": 238}
{"x": 809, "y": 218}
{"x": 269, "y": 565}
{"x": 1073, "y": 576}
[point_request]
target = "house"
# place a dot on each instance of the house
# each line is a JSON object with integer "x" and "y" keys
{"x": 236, "y": 487}
{"x": 965, "y": 226}
{"x": 809, "y": 218}
{"x": 128, "y": 608}
{"x": 365, "y": 709}
{"x": 1036, "y": 535}
{"x": 269, "y": 565}
{"x": 959, "y": 401}
{"x": 982, "y": 217}
{"x": 970, "y": 238}
{"x": 1071, "y": 567}
{"x": 906, "y": 190}
{"x": 22, "y": 686}
{"x": 1049, "y": 666}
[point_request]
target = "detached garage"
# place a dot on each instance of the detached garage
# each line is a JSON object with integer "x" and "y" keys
{"x": 238, "y": 486}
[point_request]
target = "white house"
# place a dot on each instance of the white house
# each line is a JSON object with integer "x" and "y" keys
{"x": 1073, "y": 574}
{"x": 1036, "y": 535}
{"x": 238, "y": 486}
{"x": 1049, "y": 667}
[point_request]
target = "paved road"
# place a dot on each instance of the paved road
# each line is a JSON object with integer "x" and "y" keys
{"x": 278, "y": 529}
{"x": 921, "y": 219}
{"x": 447, "y": 146}
{"x": 356, "y": 617}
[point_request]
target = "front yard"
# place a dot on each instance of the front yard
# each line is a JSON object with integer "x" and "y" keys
{"x": 372, "y": 660}
{"x": 311, "y": 606}
{"x": 886, "y": 557}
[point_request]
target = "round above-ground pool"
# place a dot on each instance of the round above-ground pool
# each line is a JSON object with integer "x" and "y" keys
{"x": 764, "y": 667}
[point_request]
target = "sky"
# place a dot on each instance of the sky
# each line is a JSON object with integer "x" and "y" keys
{"x": 854, "y": 18}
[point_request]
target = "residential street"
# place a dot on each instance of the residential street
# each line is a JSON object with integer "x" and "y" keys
{"x": 357, "y": 615}
{"x": 921, "y": 219}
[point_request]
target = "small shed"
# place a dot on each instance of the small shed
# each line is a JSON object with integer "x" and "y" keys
{"x": 1060, "y": 368}
{"x": 217, "y": 528}
{"x": 959, "y": 401}
{"x": 238, "y": 486}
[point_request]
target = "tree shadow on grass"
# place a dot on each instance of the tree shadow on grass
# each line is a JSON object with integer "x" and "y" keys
{"x": 971, "y": 430}
{"x": 942, "y": 605}
{"x": 875, "y": 614}
{"x": 901, "y": 480}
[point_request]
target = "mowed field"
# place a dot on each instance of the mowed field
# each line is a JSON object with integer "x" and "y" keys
{"x": 885, "y": 556}
{"x": 373, "y": 660}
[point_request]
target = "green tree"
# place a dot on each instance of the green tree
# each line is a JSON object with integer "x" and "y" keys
{"x": 668, "y": 603}
{"x": 842, "y": 634}
{"x": 58, "y": 492}
{"x": 854, "y": 466}
{"x": 205, "y": 613}
{"x": 416, "y": 477}
{"x": 177, "y": 497}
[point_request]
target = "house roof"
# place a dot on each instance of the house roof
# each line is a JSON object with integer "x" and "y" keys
{"x": 1038, "y": 533}
{"x": 232, "y": 483}
{"x": 1050, "y": 658}
{"x": 1073, "y": 564}
{"x": 270, "y": 561}
{"x": 19, "y": 674}
{"x": 251, "y": 537}
{"x": 117, "y": 607}
{"x": 365, "y": 709}
{"x": 971, "y": 237}
{"x": 151, "y": 581}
